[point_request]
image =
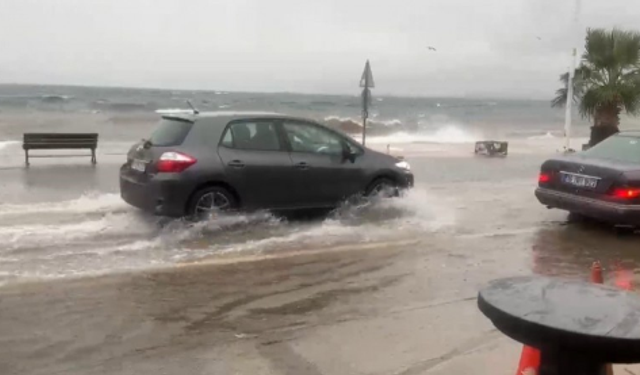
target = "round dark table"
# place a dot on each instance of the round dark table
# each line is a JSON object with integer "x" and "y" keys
{"x": 578, "y": 327}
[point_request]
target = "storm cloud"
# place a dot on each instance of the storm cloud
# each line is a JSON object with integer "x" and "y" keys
{"x": 496, "y": 48}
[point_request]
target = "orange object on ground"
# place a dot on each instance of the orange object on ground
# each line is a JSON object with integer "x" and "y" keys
{"x": 623, "y": 278}
{"x": 596, "y": 273}
{"x": 529, "y": 361}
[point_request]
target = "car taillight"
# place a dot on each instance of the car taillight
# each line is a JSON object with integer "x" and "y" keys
{"x": 543, "y": 178}
{"x": 626, "y": 193}
{"x": 174, "y": 162}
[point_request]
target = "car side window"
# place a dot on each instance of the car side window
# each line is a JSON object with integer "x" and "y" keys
{"x": 252, "y": 135}
{"x": 227, "y": 139}
{"x": 309, "y": 138}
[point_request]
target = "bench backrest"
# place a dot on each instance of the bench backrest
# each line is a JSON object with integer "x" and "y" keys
{"x": 60, "y": 140}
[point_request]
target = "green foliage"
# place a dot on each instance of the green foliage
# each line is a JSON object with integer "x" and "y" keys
{"x": 608, "y": 78}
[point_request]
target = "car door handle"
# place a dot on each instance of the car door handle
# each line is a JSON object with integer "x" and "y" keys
{"x": 302, "y": 165}
{"x": 236, "y": 164}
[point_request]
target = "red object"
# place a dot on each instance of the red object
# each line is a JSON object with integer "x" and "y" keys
{"x": 529, "y": 361}
{"x": 174, "y": 162}
{"x": 623, "y": 278}
{"x": 626, "y": 193}
{"x": 544, "y": 177}
{"x": 596, "y": 273}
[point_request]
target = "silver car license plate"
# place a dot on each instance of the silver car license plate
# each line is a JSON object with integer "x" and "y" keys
{"x": 580, "y": 180}
{"x": 139, "y": 165}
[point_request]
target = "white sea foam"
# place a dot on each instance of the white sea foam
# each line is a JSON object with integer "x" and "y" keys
{"x": 447, "y": 134}
{"x": 173, "y": 111}
{"x": 547, "y": 135}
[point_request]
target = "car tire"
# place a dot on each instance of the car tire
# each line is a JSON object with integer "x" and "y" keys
{"x": 209, "y": 201}
{"x": 384, "y": 188}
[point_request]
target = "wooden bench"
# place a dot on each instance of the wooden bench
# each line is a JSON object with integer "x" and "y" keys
{"x": 59, "y": 141}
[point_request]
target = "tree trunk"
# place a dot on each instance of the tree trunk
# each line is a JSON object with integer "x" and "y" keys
{"x": 605, "y": 124}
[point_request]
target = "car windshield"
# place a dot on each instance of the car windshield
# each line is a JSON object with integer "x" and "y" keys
{"x": 170, "y": 132}
{"x": 621, "y": 148}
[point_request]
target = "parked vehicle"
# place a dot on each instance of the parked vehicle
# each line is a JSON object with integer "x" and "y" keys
{"x": 602, "y": 182}
{"x": 196, "y": 164}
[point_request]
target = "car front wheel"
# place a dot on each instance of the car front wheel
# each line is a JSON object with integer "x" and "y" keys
{"x": 384, "y": 188}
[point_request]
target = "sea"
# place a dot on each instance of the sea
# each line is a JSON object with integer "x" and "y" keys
{"x": 126, "y": 114}
{"x": 63, "y": 217}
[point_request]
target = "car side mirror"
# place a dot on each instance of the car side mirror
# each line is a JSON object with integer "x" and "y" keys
{"x": 347, "y": 154}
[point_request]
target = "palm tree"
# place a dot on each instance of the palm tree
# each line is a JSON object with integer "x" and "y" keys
{"x": 607, "y": 81}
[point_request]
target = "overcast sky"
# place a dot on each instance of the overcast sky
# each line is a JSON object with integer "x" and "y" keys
{"x": 499, "y": 48}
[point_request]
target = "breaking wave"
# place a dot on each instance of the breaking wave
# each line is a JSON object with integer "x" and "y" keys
{"x": 547, "y": 135}
{"x": 374, "y": 126}
{"x": 447, "y": 134}
{"x": 395, "y": 131}
{"x": 55, "y": 98}
{"x": 173, "y": 111}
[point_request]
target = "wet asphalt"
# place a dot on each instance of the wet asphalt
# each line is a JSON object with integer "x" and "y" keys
{"x": 402, "y": 303}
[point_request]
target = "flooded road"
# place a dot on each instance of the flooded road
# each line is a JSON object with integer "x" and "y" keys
{"x": 92, "y": 286}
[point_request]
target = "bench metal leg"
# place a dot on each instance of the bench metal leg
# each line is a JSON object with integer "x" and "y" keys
{"x": 26, "y": 157}
{"x": 93, "y": 156}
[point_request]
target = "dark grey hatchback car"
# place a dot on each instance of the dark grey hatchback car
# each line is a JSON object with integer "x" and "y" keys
{"x": 197, "y": 163}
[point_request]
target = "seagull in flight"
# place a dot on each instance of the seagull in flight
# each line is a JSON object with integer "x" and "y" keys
{"x": 431, "y": 48}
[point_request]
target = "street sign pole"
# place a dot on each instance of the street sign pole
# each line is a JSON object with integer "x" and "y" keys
{"x": 366, "y": 82}
{"x": 364, "y": 129}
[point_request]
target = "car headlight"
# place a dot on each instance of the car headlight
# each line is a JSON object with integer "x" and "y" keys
{"x": 403, "y": 165}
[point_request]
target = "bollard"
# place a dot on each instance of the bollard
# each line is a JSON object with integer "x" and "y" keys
{"x": 529, "y": 361}
{"x": 596, "y": 273}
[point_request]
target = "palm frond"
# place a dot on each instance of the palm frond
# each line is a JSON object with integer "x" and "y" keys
{"x": 560, "y": 100}
{"x": 626, "y": 47}
{"x": 608, "y": 75}
{"x": 598, "y": 49}
{"x": 629, "y": 97}
{"x": 589, "y": 103}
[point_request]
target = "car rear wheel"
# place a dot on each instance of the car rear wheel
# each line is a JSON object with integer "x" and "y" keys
{"x": 383, "y": 188}
{"x": 210, "y": 201}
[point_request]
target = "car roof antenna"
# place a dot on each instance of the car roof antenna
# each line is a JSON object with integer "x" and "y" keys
{"x": 195, "y": 111}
